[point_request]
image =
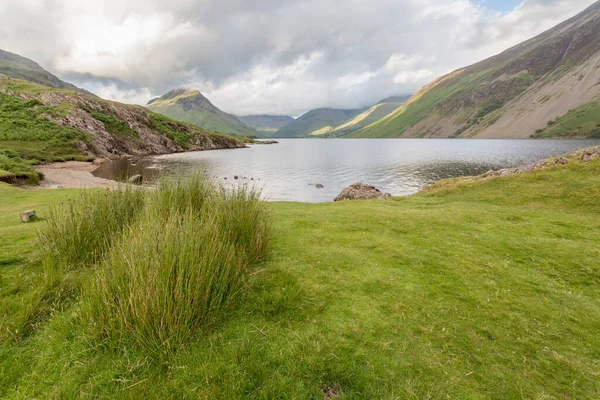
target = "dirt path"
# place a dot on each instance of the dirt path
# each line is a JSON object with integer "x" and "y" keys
{"x": 72, "y": 174}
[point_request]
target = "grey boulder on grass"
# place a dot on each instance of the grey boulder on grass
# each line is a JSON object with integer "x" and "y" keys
{"x": 360, "y": 191}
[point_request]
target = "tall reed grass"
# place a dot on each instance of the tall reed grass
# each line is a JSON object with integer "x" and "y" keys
{"x": 176, "y": 266}
{"x": 80, "y": 231}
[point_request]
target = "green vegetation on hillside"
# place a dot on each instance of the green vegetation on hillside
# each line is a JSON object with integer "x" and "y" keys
{"x": 32, "y": 132}
{"x": 418, "y": 109}
{"x": 580, "y": 122}
{"x": 435, "y": 296}
{"x": 192, "y": 107}
{"x": 112, "y": 125}
{"x": 28, "y": 137}
{"x": 15, "y": 66}
{"x": 373, "y": 114}
{"x": 318, "y": 121}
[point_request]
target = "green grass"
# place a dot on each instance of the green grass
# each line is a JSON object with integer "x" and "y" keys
{"x": 13, "y": 168}
{"x": 112, "y": 124}
{"x": 170, "y": 129}
{"x": 471, "y": 291}
{"x": 26, "y": 130}
{"x": 583, "y": 121}
{"x": 168, "y": 260}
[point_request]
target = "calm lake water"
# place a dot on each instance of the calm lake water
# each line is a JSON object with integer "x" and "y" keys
{"x": 291, "y": 169}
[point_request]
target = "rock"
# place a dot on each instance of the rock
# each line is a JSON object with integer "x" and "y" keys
{"x": 319, "y": 186}
{"x": 360, "y": 191}
{"x": 236, "y": 177}
{"x": 27, "y": 216}
{"x": 135, "y": 179}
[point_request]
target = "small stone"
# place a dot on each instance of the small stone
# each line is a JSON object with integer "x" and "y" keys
{"x": 319, "y": 186}
{"x": 136, "y": 179}
{"x": 236, "y": 177}
{"x": 27, "y": 216}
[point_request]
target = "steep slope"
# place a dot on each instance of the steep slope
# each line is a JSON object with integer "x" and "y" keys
{"x": 266, "y": 124}
{"x": 511, "y": 95}
{"x": 316, "y": 122}
{"x": 188, "y": 105}
{"x": 369, "y": 116}
{"x": 14, "y": 66}
{"x": 39, "y": 124}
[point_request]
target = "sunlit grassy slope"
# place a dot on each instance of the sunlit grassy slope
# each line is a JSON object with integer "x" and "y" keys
{"x": 478, "y": 291}
{"x": 583, "y": 121}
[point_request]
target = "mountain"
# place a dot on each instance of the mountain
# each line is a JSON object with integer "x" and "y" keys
{"x": 369, "y": 116}
{"x": 188, "y": 105}
{"x": 547, "y": 86}
{"x": 316, "y": 122}
{"x": 38, "y": 123}
{"x": 266, "y": 124}
{"x": 15, "y": 66}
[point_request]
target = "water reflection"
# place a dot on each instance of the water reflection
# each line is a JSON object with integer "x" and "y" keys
{"x": 290, "y": 170}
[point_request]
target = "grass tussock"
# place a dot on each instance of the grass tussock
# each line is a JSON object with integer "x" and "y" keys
{"x": 80, "y": 231}
{"x": 168, "y": 260}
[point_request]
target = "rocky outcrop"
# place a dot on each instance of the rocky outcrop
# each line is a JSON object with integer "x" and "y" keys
{"x": 360, "y": 191}
{"x": 147, "y": 136}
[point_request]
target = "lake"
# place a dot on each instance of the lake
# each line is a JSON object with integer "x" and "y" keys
{"x": 290, "y": 170}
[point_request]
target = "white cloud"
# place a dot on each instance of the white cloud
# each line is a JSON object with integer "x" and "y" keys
{"x": 267, "y": 56}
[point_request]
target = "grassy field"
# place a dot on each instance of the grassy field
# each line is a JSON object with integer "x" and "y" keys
{"x": 481, "y": 290}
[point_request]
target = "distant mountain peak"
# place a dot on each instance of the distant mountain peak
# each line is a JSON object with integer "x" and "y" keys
{"x": 189, "y": 105}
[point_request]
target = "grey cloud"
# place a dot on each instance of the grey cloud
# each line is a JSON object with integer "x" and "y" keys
{"x": 266, "y": 56}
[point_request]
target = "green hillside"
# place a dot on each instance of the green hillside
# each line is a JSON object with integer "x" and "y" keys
{"x": 15, "y": 66}
{"x": 266, "y": 124}
{"x": 40, "y": 124}
{"x": 584, "y": 121}
{"x": 191, "y": 106}
{"x": 513, "y": 94}
{"x": 373, "y": 114}
{"x": 316, "y": 122}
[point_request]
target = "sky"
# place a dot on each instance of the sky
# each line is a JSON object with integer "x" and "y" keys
{"x": 268, "y": 56}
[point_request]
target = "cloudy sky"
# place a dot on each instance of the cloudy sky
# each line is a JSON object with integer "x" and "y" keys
{"x": 268, "y": 56}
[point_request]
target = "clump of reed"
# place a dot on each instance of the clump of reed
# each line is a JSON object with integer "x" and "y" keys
{"x": 80, "y": 231}
{"x": 168, "y": 260}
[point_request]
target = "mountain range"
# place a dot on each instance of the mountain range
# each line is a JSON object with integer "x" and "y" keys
{"x": 548, "y": 86}
{"x": 266, "y": 124}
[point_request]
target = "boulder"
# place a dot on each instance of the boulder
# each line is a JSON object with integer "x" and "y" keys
{"x": 136, "y": 179}
{"x": 319, "y": 186}
{"x": 360, "y": 191}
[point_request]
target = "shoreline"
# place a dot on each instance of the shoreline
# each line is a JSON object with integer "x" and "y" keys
{"x": 72, "y": 175}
